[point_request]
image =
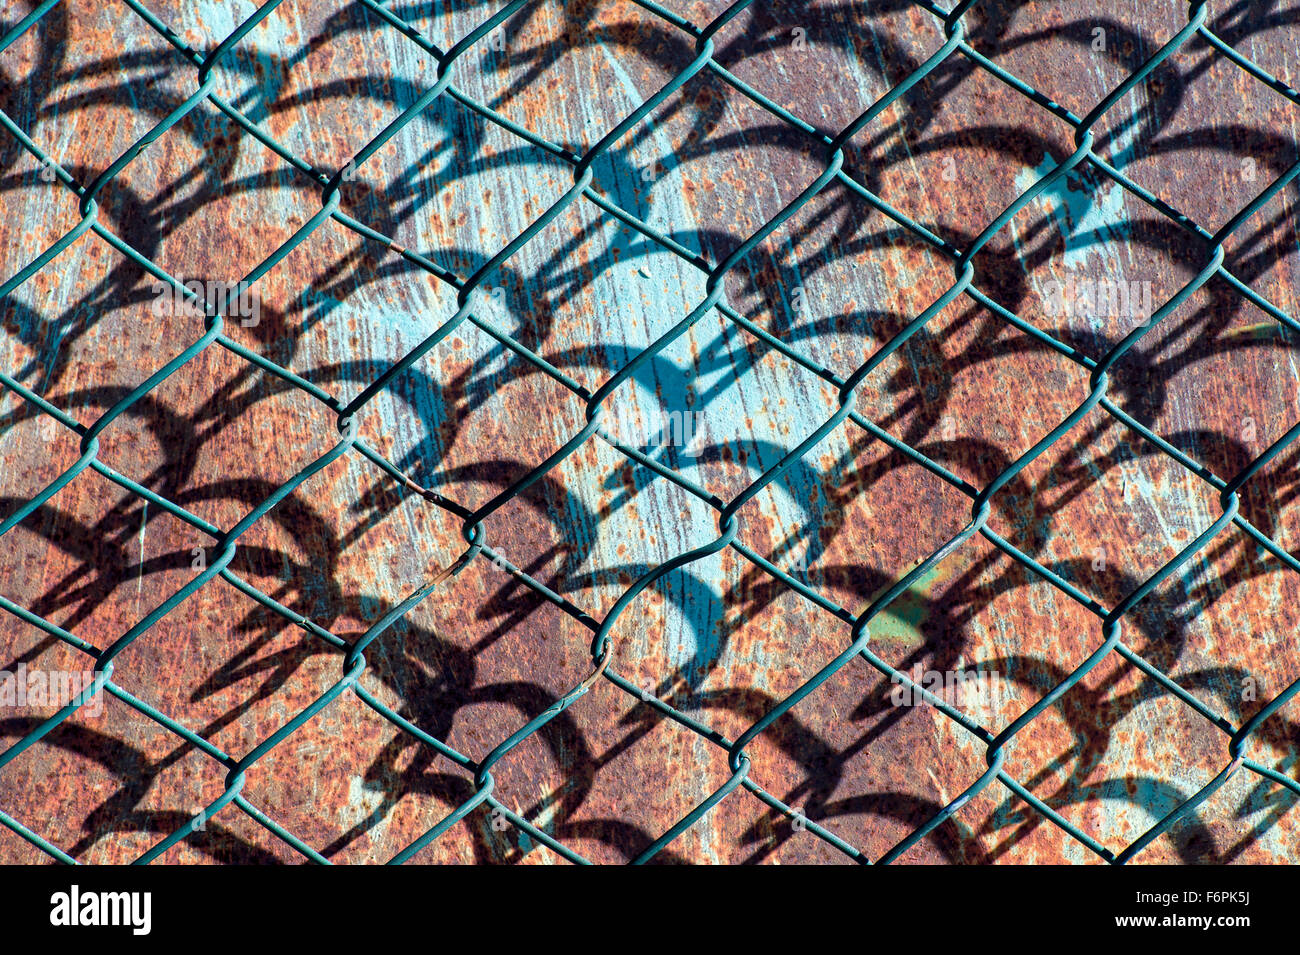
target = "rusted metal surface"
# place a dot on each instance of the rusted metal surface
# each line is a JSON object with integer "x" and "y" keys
{"x": 723, "y": 642}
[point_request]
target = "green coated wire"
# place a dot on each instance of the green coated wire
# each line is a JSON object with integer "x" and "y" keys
{"x": 604, "y": 631}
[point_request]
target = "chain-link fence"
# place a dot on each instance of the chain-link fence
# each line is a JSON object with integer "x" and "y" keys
{"x": 473, "y": 292}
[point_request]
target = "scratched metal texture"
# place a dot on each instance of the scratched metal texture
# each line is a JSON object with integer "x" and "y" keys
{"x": 719, "y": 640}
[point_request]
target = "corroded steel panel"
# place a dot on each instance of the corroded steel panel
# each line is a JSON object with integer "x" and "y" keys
{"x": 720, "y": 640}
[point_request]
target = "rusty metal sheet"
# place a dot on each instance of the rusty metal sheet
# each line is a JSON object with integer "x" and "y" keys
{"x": 721, "y": 640}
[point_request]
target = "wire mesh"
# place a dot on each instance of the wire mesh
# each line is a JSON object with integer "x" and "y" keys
{"x": 469, "y": 289}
